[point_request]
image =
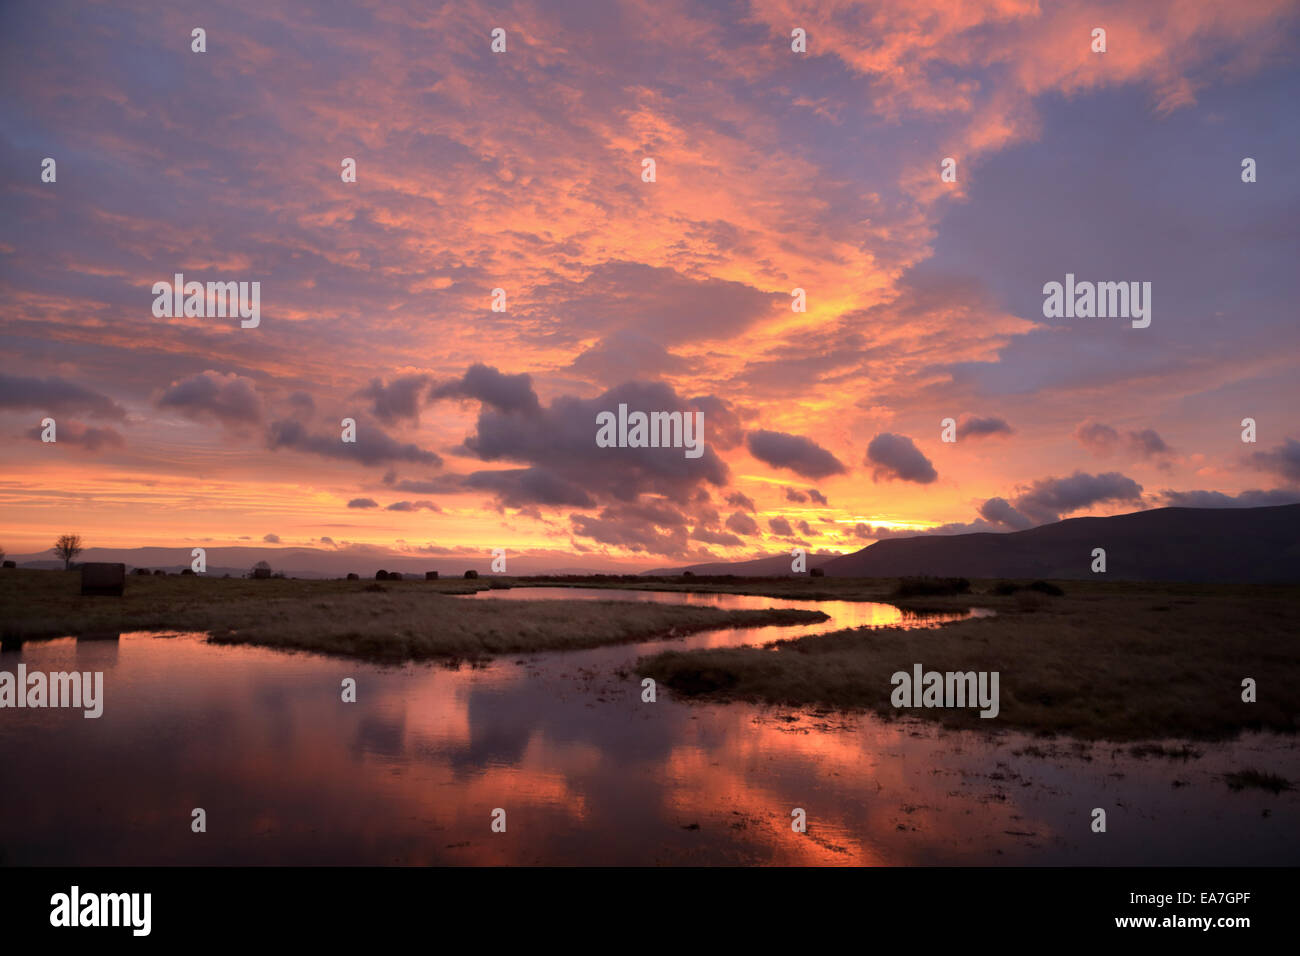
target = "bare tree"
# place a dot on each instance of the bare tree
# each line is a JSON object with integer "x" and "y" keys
{"x": 68, "y": 547}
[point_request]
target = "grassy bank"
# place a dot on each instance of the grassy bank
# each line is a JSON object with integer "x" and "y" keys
{"x": 1116, "y": 661}
{"x": 406, "y": 620}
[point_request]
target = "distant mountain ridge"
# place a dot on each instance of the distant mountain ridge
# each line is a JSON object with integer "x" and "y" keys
{"x": 776, "y": 565}
{"x": 305, "y": 562}
{"x": 1227, "y": 545}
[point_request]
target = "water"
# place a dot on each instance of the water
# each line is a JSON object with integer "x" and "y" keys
{"x": 586, "y": 772}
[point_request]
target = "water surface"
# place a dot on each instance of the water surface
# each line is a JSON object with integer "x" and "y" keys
{"x": 587, "y": 773}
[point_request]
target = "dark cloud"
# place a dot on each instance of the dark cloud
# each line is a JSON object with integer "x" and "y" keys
{"x": 806, "y": 529}
{"x": 271, "y": 538}
{"x": 715, "y": 537}
{"x": 558, "y": 443}
{"x": 485, "y": 384}
{"x": 1283, "y": 460}
{"x": 1148, "y": 443}
{"x": 1254, "y": 498}
{"x": 372, "y": 447}
{"x": 1097, "y": 438}
{"x": 895, "y": 457}
{"x": 227, "y": 398}
{"x": 973, "y": 427}
{"x": 738, "y": 500}
{"x": 303, "y": 404}
{"x": 412, "y": 506}
{"x": 801, "y": 455}
{"x": 1001, "y": 512}
{"x": 742, "y": 523}
{"x": 56, "y": 396}
{"x": 1048, "y": 499}
{"x": 363, "y": 503}
{"x": 627, "y": 526}
{"x": 399, "y": 399}
{"x": 520, "y": 486}
{"x": 794, "y": 494}
{"x": 88, "y": 437}
{"x": 1102, "y": 440}
{"x": 817, "y": 496}
{"x": 780, "y": 526}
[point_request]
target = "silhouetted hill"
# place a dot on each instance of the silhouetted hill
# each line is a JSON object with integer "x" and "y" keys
{"x": 1164, "y": 544}
{"x": 778, "y": 565}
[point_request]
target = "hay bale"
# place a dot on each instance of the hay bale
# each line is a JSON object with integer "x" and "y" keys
{"x": 160, "y": 573}
{"x": 187, "y": 571}
{"x": 352, "y": 576}
{"x": 143, "y": 571}
{"x": 430, "y": 575}
{"x": 103, "y": 578}
{"x": 394, "y": 575}
{"x": 817, "y": 573}
{"x": 261, "y": 574}
{"x": 11, "y": 564}
{"x": 471, "y": 573}
{"x": 381, "y": 575}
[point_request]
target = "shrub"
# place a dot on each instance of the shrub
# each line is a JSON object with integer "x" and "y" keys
{"x": 930, "y": 587}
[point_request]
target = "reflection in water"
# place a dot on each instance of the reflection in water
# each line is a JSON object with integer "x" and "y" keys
{"x": 586, "y": 772}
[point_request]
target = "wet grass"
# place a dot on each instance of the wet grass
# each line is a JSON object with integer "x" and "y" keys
{"x": 1256, "y": 780}
{"x": 404, "y": 621}
{"x": 1122, "y": 661}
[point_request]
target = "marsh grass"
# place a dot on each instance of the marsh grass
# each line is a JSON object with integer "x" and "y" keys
{"x": 1120, "y": 662}
{"x": 395, "y": 621}
{"x": 1256, "y": 780}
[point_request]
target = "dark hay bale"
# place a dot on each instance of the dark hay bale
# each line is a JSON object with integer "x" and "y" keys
{"x": 160, "y": 573}
{"x": 430, "y": 575}
{"x": 381, "y": 575}
{"x": 103, "y": 578}
{"x": 143, "y": 571}
{"x": 817, "y": 573}
{"x": 262, "y": 574}
{"x": 11, "y": 564}
{"x": 353, "y": 577}
{"x": 471, "y": 573}
{"x": 394, "y": 575}
{"x": 187, "y": 570}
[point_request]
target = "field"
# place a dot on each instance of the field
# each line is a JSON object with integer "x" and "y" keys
{"x": 406, "y": 620}
{"x": 1119, "y": 661}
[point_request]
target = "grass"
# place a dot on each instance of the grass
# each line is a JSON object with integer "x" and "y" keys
{"x": 408, "y": 620}
{"x": 1121, "y": 661}
{"x": 1256, "y": 780}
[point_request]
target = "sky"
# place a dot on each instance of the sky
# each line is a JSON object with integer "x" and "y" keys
{"x": 524, "y": 170}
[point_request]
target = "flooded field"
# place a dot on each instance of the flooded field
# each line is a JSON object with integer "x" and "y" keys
{"x": 586, "y": 772}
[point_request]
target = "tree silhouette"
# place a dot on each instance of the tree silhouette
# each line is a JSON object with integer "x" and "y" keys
{"x": 68, "y": 547}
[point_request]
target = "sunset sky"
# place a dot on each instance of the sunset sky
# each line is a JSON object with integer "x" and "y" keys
{"x": 522, "y": 170}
